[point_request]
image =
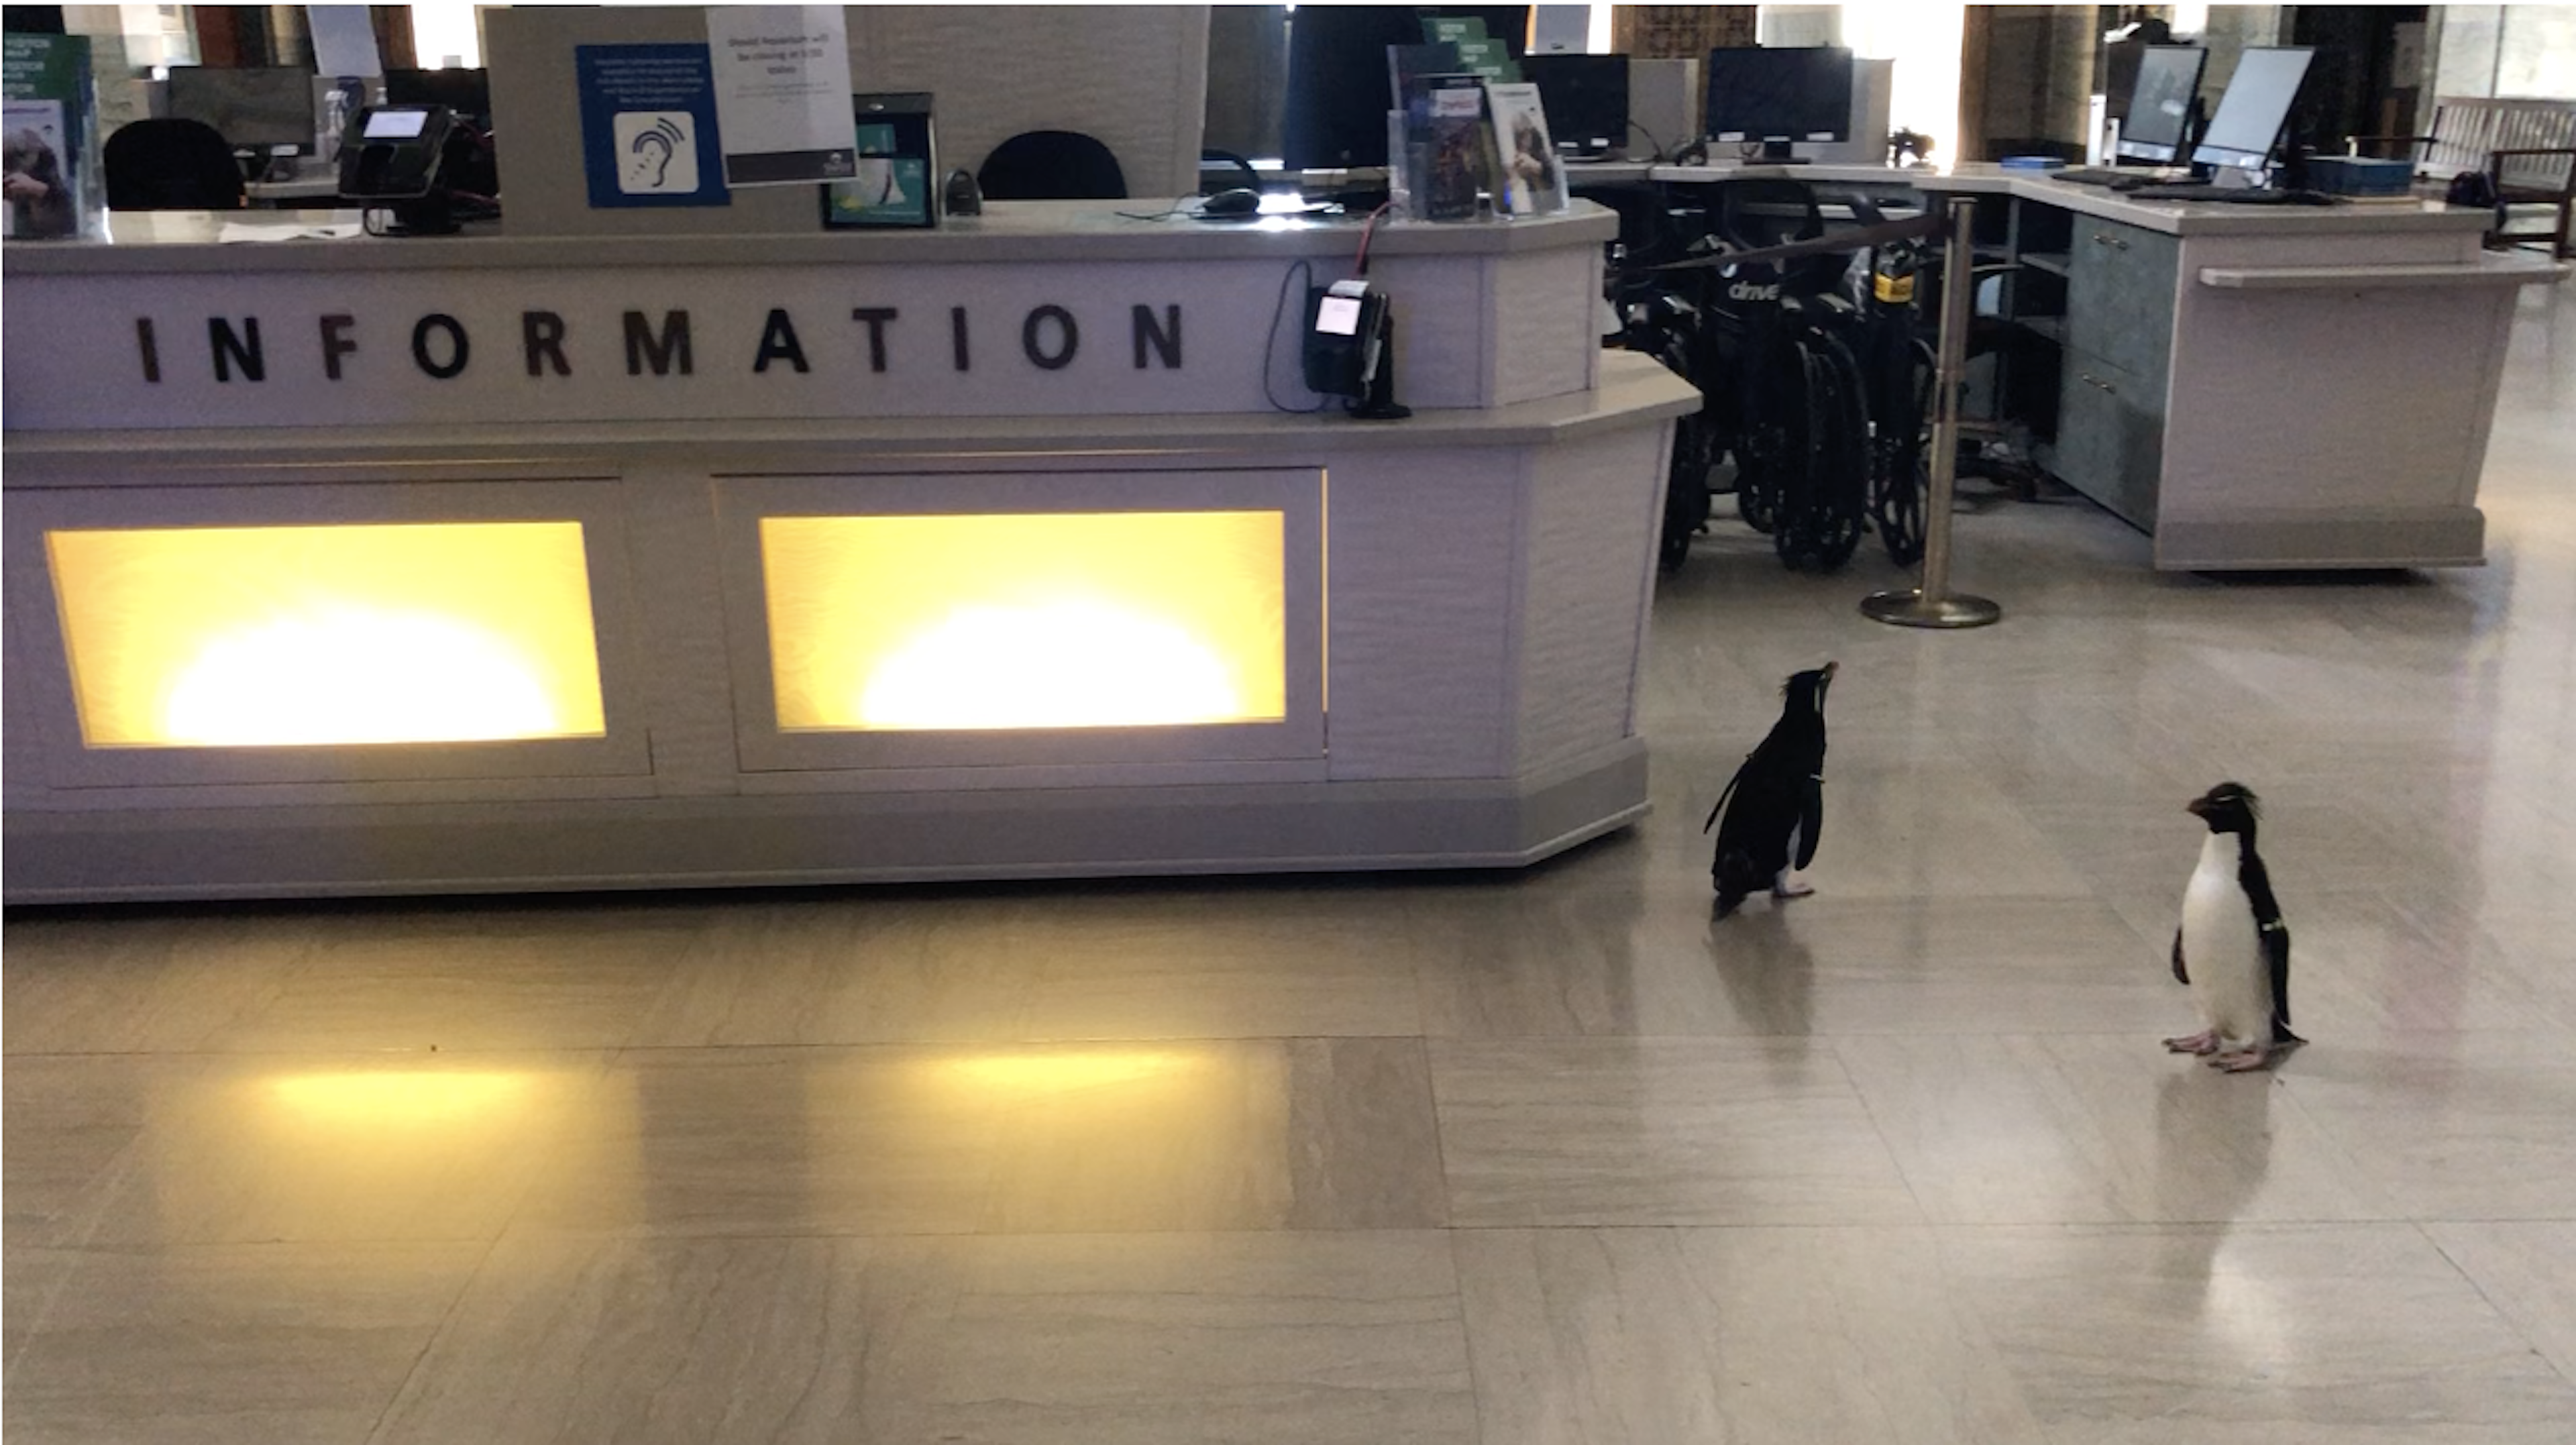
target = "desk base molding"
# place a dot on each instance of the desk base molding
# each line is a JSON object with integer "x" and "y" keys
{"x": 2390, "y": 537}
{"x": 606, "y": 844}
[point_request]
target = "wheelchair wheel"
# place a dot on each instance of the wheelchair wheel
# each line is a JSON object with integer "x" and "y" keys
{"x": 1900, "y": 476}
{"x": 1825, "y": 502}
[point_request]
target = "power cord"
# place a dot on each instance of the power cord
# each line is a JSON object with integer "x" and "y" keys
{"x": 1359, "y": 264}
{"x": 1270, "y": 347}
{"x": 1658, "y": 156}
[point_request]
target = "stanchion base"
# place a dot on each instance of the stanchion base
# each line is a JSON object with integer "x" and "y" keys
{"x": 1913, "y": 609}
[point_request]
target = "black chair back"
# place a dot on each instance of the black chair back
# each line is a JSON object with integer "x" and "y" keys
{"x": 171, "y": 164}
{"x": 1051, "y": 165}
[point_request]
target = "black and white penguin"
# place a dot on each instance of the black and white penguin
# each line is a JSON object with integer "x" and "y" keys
{"x": 2233, "y": 949}
{"x": 1774, "y": 807}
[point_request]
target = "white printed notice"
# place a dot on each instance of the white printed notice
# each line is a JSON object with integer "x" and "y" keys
{"x": 782, "y": 77}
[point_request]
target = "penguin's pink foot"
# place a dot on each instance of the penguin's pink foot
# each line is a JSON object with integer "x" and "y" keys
{"x": 2245, "y": 1062}
{"x": 1790, "y": 885}
{"x": 2200, "y": 1043}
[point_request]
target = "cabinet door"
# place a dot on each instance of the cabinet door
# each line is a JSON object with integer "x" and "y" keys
{"x": 2110, "y": 437}
{"x": 2120, "y": 295}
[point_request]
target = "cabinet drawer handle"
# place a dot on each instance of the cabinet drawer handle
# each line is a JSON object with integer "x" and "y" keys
{"x": 2097, "y": 383}
{"x": 2101, "y": 238}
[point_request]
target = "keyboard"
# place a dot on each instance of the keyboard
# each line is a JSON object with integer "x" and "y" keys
{"x": 2090, "y": 175}
{"x": 2229, "y": 196}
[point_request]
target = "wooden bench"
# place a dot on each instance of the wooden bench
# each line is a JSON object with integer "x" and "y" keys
{"x": 2526, "y": 147}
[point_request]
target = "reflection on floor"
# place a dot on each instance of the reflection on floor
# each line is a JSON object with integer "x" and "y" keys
{"x": 1517, "y": 1159}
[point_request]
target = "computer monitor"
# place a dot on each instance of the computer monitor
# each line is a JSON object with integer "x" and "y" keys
{"x": 2255, "y": 108}
{"x": 1776, "y": 94}
{"x": 259, "y": 111}
{"x": 468, "y": 93}
{"x": 1335, "y": 112}
{"x": 2160, "y": 104}
{"x": 1586, "y": 98}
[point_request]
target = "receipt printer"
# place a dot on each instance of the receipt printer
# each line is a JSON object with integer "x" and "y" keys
{"x": 1346, "y": 335}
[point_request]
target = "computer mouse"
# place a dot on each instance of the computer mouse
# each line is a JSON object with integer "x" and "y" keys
{"x": 1241, "y": 201}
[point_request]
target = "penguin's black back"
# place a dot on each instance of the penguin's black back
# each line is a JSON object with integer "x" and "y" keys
{"x": 1778, "y": 791}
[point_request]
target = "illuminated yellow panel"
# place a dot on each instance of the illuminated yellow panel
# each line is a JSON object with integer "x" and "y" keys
{"x": 1122, "y": 619}
{"x": 270, "y": 636}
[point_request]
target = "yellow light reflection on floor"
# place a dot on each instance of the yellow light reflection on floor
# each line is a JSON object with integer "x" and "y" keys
{"x": 274, "y": 636}
{"x": 365, "y": 1104}
{"x": 1122, "y": 619}
{"x": 1054, "y": 1071}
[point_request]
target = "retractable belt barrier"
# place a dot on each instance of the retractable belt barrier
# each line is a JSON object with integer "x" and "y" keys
{"x": 1859, "y": 238}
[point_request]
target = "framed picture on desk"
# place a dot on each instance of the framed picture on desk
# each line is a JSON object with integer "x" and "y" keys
{"x": 898, "y": 160}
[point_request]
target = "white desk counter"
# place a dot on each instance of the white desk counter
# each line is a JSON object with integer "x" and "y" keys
{"x": 2266, "y": 386}
{"x": 480, "y": 564}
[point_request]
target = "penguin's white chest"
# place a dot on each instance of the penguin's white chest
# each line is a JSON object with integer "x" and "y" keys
{"x": 2221, "y": 948}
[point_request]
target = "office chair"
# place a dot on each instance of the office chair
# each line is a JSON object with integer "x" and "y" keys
{"x": 171, "y": 164}
{"x": 1051, "y": 165}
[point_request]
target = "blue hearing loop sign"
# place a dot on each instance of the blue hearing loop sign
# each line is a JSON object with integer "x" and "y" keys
{"x": 648, "y": 126}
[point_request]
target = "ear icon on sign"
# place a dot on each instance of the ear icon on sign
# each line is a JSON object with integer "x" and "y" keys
{"x": 659, "y": 143}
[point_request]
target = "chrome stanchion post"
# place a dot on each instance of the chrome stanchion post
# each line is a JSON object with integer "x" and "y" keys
{"x": 1933, "y": 604}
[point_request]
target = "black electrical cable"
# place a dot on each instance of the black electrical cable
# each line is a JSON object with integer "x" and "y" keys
{"x": 1270, "y": 348}
{"x": 1659, "y": 154}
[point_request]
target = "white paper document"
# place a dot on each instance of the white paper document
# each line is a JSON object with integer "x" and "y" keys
{"x": 782, "y": 78}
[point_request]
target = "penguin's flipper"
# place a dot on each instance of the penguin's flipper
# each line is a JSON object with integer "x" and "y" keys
{"x": 1722, "y": 797}
{"x": 2276, "y": 959}
{"x": 2181, "y": 974}
{"x": 1811, "y": 821}
{"x": 2274, "y": 935}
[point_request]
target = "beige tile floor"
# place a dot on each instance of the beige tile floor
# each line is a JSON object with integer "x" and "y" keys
{"x": 1547, "y": 1158}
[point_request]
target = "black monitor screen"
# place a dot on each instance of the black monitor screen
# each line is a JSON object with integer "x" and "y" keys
{"x": 1779, "y": 93}
{"x": 1586, "y": 97}
{"x": 1338, "y": 94}
{"x": 2255, "y": 107}
{"x": 2160, "y": 103}
{"x": 267, "y": 109}
{"x": 466, "y": 92}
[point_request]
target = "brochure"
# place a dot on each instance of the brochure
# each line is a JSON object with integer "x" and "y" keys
{"x": 48, "y": 111}
{"x": 1457, "y": 148}
{"x": 1529, "y": 179}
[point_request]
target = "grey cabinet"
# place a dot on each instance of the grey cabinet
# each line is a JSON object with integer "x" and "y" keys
{"x": 2120, "y": 295}
{"x": 2111, "y": 436}
{"x": 2118, "y": 345}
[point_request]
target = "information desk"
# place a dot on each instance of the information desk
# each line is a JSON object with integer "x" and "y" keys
{"x": 2258, "y": 387}
{"x": 479, "y": 564}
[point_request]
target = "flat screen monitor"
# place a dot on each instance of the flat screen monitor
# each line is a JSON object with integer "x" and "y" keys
{"x": 1776, "y": 94}
{"x": 466, "y": 92}
{"x": 2255, "y": 108}
{"x": 263, "y": 110}
{"x": 2159, "y": 123}
{"x": 1338, "y": 96}
{"x": 1586, "y": 98}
